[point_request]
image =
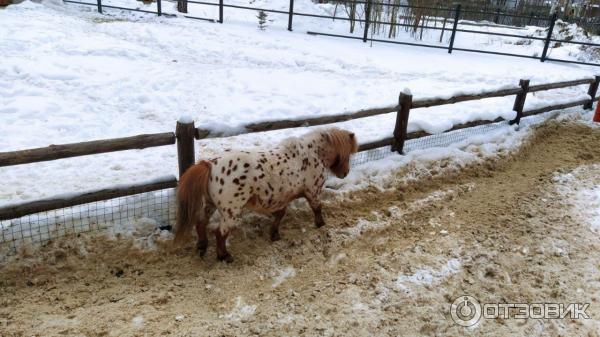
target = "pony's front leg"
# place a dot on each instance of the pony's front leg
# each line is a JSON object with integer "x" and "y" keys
{"x": 275, "y": 225}
{"x": 319, "y": 221}
{"x": 315, "y": 204}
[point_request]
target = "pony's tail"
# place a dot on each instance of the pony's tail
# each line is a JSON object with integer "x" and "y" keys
{"x": 192, "y": 196}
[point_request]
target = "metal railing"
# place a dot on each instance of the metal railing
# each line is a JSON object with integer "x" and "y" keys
{"x": 457, "y": 14}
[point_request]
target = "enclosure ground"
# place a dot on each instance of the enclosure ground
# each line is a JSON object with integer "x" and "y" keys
{"x": 388, "y": 263}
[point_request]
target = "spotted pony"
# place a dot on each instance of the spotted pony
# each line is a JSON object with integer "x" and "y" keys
{"x": 264, "y": 181}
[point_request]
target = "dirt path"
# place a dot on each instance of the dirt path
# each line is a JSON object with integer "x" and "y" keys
{"x": 386, "y": 264}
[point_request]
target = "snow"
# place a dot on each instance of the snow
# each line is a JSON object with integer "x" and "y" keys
{"x": 593, "y": 196}
{"x": 283, "y": 275}
{"x": 69, "y": 74}
{"x": 241, "y": 311}
{"x": 428, "y": 275}
{"x": 582, "y": 189}
{"x": 185, "y": 119}
{"x": 137, "y": 322}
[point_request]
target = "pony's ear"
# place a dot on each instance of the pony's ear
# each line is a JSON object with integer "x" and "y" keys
{"x": 351, "y": 135}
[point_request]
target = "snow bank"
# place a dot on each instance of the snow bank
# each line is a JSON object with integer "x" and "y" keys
{"x": 581, "y": 188}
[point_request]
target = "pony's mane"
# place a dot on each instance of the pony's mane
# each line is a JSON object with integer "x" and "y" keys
{"x": 341, "y": 140}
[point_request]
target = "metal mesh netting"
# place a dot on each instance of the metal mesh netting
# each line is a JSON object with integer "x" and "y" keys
{"x": 444, "y": 139}
{"x": 160, "y": 205}
{"x": 370, "y": 155}
{"x": 118, "y": 212}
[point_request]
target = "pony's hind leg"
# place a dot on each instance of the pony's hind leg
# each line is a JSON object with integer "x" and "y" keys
{"x": 201, "y": 224}
{"x": 275, "y": 225}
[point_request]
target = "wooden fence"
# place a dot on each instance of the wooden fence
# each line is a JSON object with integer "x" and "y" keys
{"x": 186, "y": 133}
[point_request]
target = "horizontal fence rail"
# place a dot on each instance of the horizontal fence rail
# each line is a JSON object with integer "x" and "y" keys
{"x": 27, "y": 208}
{"x": 290, "y": 123}
{"x": 186, "y": 132}
{"x": 558, "y": 85}
{"x": 556, "y": 107}
{"x": 425, "y": 103}
{"x": 53, "y": 152}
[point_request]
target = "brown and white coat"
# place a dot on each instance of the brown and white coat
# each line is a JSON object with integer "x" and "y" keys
{"x": 265, "y": 181}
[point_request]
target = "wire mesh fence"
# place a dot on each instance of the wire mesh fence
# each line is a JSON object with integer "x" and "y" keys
{"x": 159, "y": 206}
{"x": 445, "y": 139}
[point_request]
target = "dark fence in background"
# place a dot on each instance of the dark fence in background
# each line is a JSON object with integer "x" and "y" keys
{"x": 458, "y": 15}
{"x": 455, "y": 16}
{"x": 92, "y": 210}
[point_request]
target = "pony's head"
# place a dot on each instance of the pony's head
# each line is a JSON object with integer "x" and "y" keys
{"x": 341, "y": 144}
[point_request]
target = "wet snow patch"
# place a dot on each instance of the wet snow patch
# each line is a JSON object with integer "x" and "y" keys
{"x": 428, "y": 275}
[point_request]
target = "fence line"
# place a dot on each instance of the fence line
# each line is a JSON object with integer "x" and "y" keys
{"x": 186, "y": 132}
{"x": 455, "y": 21}
{"x": 457, "y": 11}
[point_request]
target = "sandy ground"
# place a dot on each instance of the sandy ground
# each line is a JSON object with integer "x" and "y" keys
{"x": 387, "y": 264}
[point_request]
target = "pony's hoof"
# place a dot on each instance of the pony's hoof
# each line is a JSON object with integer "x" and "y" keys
{"x": 275, "y": 236}
{"x": 227, "y": 258}
{"x": 201, "y": 247}
{"x": 319, "y": 224}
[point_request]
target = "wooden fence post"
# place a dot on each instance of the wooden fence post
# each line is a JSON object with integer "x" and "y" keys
{"x": 182, "y": 6}
{"x": 291, "y": 15}
{"x": 453, "y": 36}
{"x": 185, "y": 133}
{"x": 158, "y": 7}
{"x": 520, "y": 102}
{"x": 592, "y": 92}
{"x": 402, "y": 122}
{"x": 100, "y": 6}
